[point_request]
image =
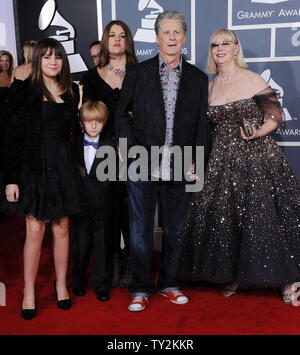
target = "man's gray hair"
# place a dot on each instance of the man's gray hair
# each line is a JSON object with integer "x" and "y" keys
{"x": 170, "y": 15}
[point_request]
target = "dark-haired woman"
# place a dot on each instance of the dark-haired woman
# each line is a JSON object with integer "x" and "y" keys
{"x": 39, "y": 174}
{"x": 6, "y": 68}
{"x": 104, "y": 83}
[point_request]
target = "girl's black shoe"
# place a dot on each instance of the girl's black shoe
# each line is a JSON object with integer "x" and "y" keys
{"x": 63, "y": 304}
{"x": 28, "y": 314}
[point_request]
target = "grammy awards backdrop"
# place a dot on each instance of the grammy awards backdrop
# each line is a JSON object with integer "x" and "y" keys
{"x": 269, "y": 31}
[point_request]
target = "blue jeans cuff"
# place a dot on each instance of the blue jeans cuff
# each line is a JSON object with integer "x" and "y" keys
{"x": 168, "y": 289}
{"x": 143, "y": 294}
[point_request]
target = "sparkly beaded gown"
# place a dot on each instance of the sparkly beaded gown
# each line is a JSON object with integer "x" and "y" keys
{"x": 244, "y": 226}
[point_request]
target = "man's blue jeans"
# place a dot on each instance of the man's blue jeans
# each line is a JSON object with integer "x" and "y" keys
{"x": 142, "y": 200}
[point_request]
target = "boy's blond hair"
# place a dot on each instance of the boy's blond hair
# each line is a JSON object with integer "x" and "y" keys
{"x": 94, "y": 110}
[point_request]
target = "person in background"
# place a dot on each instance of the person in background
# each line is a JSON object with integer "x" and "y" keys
{"x": 6, "y": 69}
{"x": 95, "y": 48}
{"x": 23, "y": 71}
{"x": 39, "y": 167}
{"x": 6, "y": 75}
{"x": 21, "y": 82}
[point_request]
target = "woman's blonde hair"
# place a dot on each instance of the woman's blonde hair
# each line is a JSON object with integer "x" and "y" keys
{"x": 94, "y": 110}
{"x": 229, "y": 35}
{"x": 28, "y": 50}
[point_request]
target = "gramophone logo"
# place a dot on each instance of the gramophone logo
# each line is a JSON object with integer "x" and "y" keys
{"x": 147, "y": 33}
{"x": 266, "y": 75}
{"x": 49, "y": 16}
{"x": 141, "y": 16}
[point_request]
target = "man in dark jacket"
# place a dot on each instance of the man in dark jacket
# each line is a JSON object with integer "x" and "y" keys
{"x": 163, "y": 103}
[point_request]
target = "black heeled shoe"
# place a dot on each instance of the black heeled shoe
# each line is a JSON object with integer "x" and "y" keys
{"x": 28, "y": 313}
{"x": 63, "y": 304}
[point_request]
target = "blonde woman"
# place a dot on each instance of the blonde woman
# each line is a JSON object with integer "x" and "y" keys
{"x": 23, "y": 71}
{"x": 21, "y": 79}
{"x": 242, "y": 229}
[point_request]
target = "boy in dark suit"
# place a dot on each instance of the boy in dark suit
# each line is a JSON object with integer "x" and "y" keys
{"x": 93, "y": 228}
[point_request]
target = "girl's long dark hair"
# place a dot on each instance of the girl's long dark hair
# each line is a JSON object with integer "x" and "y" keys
{"x": 129, "y": 44}
{"x": 63, "y": 78}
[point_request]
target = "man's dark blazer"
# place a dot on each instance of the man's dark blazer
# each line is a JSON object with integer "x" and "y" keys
{"x": 140, "y": 115}
{"x": 98, "y": 196}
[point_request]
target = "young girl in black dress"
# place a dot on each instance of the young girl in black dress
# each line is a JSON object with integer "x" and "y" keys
{"x": 39, "y": 172}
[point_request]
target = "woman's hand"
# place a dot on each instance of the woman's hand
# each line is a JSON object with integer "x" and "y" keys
{"x": 256, "y": 133}
{"x": 269, "y": 126}
{"x": 12, "y": 192}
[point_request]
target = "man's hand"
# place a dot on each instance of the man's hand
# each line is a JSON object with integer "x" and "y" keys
{"x": 191, "y": 173}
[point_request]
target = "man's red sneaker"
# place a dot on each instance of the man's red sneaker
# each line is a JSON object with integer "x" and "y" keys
{"x": 176, "y": 296}
{"x": 137, "y": 303}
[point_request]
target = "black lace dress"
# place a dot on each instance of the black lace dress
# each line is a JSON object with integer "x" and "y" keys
{"x": 51, "y": 190}
{"x": 244, "y": 226}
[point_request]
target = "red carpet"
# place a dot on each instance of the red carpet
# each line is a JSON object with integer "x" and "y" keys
{"x": 251, "y": 312}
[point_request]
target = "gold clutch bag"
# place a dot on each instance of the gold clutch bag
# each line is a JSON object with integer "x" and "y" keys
{"x": 247, "y": 128}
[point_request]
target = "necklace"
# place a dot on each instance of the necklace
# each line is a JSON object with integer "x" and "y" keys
{"x": 227, "y": 78}
{"x": 117, "y": 71}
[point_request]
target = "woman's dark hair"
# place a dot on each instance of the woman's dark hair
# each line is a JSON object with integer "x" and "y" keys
{"x": 129, "y": 44}
{"x": 95, "y": 43}
{"x": 63, "y": 78}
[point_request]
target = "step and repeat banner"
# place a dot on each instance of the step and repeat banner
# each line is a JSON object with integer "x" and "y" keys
{"x": 8, "y": 28}
{"x": 269, "y": 31}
